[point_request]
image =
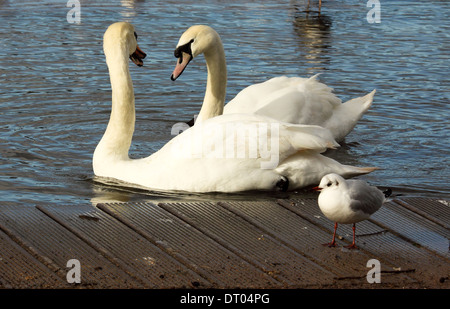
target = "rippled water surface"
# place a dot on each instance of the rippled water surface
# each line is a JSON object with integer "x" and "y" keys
{"x": 55, "y": 95}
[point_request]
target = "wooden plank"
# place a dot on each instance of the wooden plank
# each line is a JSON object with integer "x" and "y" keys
{"x": 19, "y": 269}
{"x": 380, "y": 240}
{"x": 54, "y": 246}
{"x": 302, "y": 235}
{"x": 125, "y": 248}
{"x": 414, "y": 227}
{"x": 223, "y": 244}
{"x": 251, "y": 243}
{"x": 435, "y": 210}
{"x": 189, "y": 246}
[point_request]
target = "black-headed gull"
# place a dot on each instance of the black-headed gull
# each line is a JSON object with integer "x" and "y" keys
{"x": 348, "y": 201}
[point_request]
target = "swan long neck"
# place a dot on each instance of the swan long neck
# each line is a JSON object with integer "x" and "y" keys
{"x": 216, "y": 84}
{"x": 116, "y": 141}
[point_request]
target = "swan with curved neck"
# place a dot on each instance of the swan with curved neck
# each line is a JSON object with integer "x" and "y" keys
{"x": 198, "y": 40}
{"x": 204, "y": 158}
{"x": 288, "y": 99}
{"x": 119, "y": 44}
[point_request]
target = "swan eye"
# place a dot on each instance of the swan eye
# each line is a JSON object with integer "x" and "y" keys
{"x": 177, "y": 53}
{"x": 186, "y": 48}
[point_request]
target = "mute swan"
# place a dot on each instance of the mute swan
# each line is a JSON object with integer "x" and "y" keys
{"x": 288, "y": 99}
{"x": 228, "y": 153}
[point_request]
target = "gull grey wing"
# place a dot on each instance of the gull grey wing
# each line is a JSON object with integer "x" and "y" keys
{"x": 365, "y": 198}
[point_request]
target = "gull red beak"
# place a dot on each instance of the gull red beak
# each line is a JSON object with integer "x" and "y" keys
{"x": 316, "y": 188}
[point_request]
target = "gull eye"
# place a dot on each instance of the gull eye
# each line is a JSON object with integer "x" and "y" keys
{"x": 329, "y": 184}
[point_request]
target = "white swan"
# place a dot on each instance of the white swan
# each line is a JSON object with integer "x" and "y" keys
{"x": 288, "y": 99}
{"x": 227, "y": 153}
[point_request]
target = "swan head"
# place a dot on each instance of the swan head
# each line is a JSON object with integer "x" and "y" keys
{"x": 123, "y": 35}
{"x": 198, "y": 39}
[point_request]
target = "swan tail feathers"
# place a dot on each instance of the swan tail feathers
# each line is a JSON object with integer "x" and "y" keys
{"x": 315, "y": 77}
{"x": 360, "y": 104}
{"x": 346, "y": 115}
{"x": 353, "y": 171}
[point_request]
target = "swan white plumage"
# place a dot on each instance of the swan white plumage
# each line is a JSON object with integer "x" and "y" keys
{"x": 227, "y": 153}
{"x": 287, "y": 99}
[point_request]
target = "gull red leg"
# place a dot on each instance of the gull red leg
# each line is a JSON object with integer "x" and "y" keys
{"x": 333, "y": 241}
{"x": 353, "y": 245}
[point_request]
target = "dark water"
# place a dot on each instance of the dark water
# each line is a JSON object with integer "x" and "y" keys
{"x": 55, "y": 93}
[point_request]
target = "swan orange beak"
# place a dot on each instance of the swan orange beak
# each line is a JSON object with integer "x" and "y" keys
{"x": 137, "y": 56}
{"x": 182, "y": 63}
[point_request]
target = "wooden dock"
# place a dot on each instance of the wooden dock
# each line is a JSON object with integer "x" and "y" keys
{"x": 273, "y": 244}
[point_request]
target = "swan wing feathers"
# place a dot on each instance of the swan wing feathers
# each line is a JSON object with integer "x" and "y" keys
{"x": 288, "y": 99}
{"x": 248, "y": 136}
{"x": 248, "y": 100}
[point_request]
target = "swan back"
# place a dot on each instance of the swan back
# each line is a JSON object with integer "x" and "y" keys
{"x": 288, "y": 99}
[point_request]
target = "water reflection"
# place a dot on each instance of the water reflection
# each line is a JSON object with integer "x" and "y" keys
{"x": 128, "y": 10}
{"x": 55, "y": 93}
{"x": 314, "y": 33}
{"x": 106, "y": 190}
